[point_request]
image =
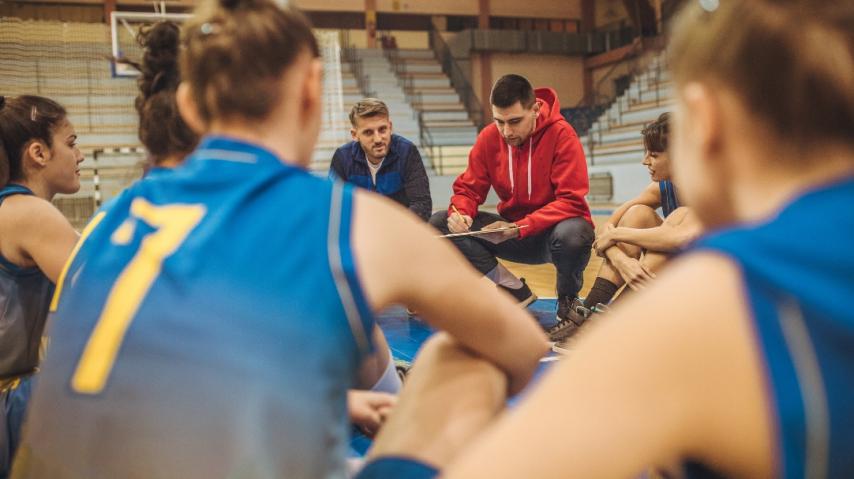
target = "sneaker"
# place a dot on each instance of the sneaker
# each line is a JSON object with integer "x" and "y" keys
{"x": 561, "y": 347}
{"x": 600, "y": 308}
{"x": 523, "y": 295}
{"x": 402, "y": 368}
{"x": 571, "y": 314}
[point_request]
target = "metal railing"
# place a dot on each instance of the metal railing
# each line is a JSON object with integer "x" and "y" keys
{"x": 439, "y": 158}
{"x": 622, "y": 100}
{"x": 348, "y": 54}
{"x": 458, "y": 78}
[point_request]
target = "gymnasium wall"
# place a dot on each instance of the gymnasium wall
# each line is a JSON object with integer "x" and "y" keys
{"x": 609, "y": 12}
{"x": 563, "y": 73}
{"x": 404, "y": 38}
{"x": 510, "y": 8}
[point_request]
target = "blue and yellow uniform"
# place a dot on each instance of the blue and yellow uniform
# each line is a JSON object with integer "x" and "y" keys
{"x": 24, "y": 299}
{"x": 800, "y": 298}
{"x": 204, "y": 330}
{"x": 669, "y": 201}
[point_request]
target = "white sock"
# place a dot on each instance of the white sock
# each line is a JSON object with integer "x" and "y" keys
{"x": 389, "y": 382}
{"x": 503, "y": 276}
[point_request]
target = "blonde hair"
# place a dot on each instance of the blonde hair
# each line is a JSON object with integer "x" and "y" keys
{"x": 791, "y": 62}
{"x": 236, "y": 52}
{"x": 367, "y": 108}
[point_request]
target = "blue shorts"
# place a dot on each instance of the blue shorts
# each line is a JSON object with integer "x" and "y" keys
{"x": 13, "y": 405}
{"x": 396, "y": 467}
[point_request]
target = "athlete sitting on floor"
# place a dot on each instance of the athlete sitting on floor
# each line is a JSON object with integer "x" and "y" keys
{"x": 736, "y": 361}
{"x": 641, "y": 242}
{"x": 220, "y": 312}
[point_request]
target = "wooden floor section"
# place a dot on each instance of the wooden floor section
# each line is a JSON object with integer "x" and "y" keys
{"x": 542, "y": 278}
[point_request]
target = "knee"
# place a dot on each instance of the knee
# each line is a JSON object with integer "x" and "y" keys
{"x": 639, "y": 216}
{"x": 678, "y": 216}
{"x": 574, "y": 234}
{"x": 439, "y": 220}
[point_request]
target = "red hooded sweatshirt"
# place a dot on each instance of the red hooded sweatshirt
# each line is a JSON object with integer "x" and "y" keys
{"x": 540, "y": 183}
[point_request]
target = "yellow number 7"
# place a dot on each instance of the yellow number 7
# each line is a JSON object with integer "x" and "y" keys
{"x": 173, "y": 223}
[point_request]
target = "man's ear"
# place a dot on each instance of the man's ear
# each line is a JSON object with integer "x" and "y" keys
{"x": 188, "y": 109}
{"x": 536, "y": 109}
{"x": 353, "y": 134}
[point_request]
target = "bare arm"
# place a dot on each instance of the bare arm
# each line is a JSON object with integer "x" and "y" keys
{"x": 402, "y": 261}
{"x": 650, "y": 196}
{"x": 43, "y": 237}
{"x": 678, "y": 229}
{"x": 686, "y": 382}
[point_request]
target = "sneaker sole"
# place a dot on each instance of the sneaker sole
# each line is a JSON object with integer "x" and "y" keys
{"x": 560, "y": 349}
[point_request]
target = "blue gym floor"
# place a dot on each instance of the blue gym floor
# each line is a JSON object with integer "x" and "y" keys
{"x": 406, "y": 334}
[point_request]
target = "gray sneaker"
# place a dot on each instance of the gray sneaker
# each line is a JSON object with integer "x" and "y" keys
{"x": 571, "y": 314}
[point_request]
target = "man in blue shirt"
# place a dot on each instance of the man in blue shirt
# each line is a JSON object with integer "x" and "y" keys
{"x": 381, "y": 161}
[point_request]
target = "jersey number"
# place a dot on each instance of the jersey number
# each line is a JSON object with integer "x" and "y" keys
{"x": 172, "y": 224}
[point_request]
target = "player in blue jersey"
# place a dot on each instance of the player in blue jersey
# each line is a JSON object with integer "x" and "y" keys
{"x": 217, "y": 313}
{"x": 635, "y": 242}
{"x": 38, "y": 159}
{"x": 168, "y": 141}
{"x": 737, "y": 361}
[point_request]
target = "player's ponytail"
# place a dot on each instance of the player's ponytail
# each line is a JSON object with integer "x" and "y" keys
{"x": 236, "y": 53}
{"x": 161, "y": 128}
{"x": 790, "y": 63}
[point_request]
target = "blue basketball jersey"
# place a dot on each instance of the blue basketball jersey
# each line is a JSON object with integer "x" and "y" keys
{"x": 24, "y": 299}
{"x": 798, "y": 273}
{"x": 209, "y": 326}
{"x": 669, "y": 201}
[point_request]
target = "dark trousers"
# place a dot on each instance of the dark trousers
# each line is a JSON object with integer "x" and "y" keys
{"x": 566, "y": 245}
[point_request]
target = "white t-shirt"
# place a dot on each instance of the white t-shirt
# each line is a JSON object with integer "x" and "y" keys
{"x": 374, "y": 169}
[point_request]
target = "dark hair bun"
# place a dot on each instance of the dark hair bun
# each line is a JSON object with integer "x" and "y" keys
{"x": 235, "y": 4}
{"x": 160, "y": 63}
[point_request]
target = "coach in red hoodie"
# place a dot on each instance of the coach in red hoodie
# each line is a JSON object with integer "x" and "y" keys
{"x": 533, "y": 159}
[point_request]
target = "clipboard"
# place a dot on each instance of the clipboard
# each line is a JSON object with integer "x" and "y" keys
{"x": 482, "y": 232}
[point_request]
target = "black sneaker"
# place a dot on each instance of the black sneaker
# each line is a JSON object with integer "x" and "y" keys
{"x": 571, "y": 314}
{"x": 523, "y": 295}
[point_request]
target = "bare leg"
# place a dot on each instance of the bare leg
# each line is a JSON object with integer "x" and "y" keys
{"x": 450, "y": 397}
{"x": 638, "y": 216}
{"x": 654, "y": 260}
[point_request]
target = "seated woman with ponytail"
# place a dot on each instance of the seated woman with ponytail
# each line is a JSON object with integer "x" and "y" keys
{"x": 222, "y": 310}
{"x": 38, "y": 159}
{"x": 169, "y": 140}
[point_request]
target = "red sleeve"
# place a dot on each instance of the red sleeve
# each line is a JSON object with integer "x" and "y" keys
{"x": 571, "y": 184}
{"x": 472, "y": 186}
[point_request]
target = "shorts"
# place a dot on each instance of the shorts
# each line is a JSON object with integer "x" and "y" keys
{"x": 13, "y": 402}
{"x": 396, "y": 468}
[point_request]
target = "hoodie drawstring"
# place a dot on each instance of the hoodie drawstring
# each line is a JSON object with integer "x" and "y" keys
{"x": 530, "y": 151}
{"x": 510, "y": 162}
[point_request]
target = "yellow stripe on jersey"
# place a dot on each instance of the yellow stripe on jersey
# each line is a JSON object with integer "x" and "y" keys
{"x": 54, "y": 302}
{"x": 172, "y": 224}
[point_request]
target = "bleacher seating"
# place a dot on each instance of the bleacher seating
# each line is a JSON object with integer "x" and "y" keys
{"x": 425, "y": 107}
{"x": 614, "y": 145}
{"x": 69, "y": 62}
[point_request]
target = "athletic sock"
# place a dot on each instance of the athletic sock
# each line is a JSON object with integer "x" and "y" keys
{"x": 389, "y": 382}
{"x": 602, "y": 292}
{"x": 503, "y": 276}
